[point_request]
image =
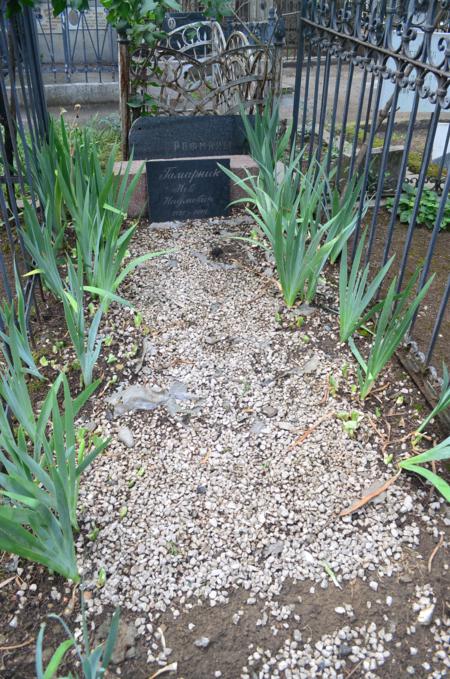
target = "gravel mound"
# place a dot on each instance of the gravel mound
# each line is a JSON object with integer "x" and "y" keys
{"x": 207, "y": 492}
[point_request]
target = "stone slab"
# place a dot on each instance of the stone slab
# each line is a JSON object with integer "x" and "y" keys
{"x": 440, "y": 147}
{"x": 154, "y": 138}
{"x": 138, "y": 207}
{"x": 187, "y": 189}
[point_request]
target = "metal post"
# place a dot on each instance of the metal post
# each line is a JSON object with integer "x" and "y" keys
{"x": 277, "y": 33}
{"x": 298, "y": 76}
{"x": 124, "y": 89}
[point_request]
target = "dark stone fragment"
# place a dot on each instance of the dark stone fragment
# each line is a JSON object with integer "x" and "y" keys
{"x": 344, "y": 651}
{"x": 216, "y": 252}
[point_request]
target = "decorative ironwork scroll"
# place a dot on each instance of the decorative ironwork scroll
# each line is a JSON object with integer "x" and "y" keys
{"x": 206, "y": 74}
{"x": 404, "y": 41}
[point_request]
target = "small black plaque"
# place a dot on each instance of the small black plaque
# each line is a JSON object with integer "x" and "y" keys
{"x": 187, "y": 137}
{"x": 187, "y": 189}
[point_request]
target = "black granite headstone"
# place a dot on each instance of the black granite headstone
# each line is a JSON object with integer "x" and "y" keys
{"x": 187, "y": 137}
{"x": 187, "y": 189}
{"x": 199, "y": 37}
{"x": 173, "y": 20}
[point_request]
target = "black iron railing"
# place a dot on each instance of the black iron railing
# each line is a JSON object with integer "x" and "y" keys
{"x": 76, "y": 46}
{"x": 23, "y": 122}
{"x": 372, "y": 96}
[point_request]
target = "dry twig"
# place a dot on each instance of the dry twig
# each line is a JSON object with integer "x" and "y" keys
{"x": 206, "y": 457}
{"x": 370, "y": 496}
{"x": 434, "y": 552}
{"x": 13, "y": 648}
{"x": 299, "y": 440}
{"x": 326, "y": 395}
{"x": 7, "y": 581}
{"x": 347, "y": 676}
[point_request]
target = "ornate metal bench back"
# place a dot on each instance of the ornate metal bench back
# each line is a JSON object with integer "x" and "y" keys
{"x": 205, "y": 74}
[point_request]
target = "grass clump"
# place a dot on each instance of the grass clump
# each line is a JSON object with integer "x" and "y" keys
{"x": 302, "y": 221}
{"x": 395, "y": 317}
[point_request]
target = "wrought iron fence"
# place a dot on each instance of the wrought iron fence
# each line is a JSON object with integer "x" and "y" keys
{"x": 76, "y": 46}
{"x": 23, "y": 122}
{"x": 372, "y": 97}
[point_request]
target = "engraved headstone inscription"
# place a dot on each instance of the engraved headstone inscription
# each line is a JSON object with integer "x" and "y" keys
{"x": 187, "y": 189}
{"x": 187, "y": 137}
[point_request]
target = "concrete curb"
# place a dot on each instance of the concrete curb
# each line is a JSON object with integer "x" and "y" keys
{"x": 67, "y": 94}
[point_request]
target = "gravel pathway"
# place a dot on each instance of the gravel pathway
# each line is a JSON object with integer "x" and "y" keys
{"x": 205, "y": 493}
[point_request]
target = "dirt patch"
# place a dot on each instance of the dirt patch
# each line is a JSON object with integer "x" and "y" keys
{"x": 312, "y": 613}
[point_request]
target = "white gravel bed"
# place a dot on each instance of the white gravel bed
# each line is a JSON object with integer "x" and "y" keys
{"x": 205, "y": 494}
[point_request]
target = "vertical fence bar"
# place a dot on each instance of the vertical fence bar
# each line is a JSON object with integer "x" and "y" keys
{"x": 401, "y": 177}
{"x": 419, "y": 189}
{"x": 334, "y": 115}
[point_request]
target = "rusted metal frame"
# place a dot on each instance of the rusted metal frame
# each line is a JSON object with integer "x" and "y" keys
{"x": 124, "y": 91}
{"x": 246, "y": 58}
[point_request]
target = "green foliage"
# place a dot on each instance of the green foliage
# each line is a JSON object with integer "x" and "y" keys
{"x": 41, "y": 471}
{"x": 443, "y": 402}
{"x": 139, "y": 20}
{"x": 94, "y": 661}
{"x": 87, "y": 346}
{"x": 15, "y": 393}
{"x": 350, "y": 421}
{"x": 299, "y": 258}
{"x": 397, "y": 312}
{"x": 106, "y": 135}
{"x": 303, "y": 220}
{"x": 415, "y": 159}
{"x": 70, "y": 293}
{"x": 96, "y": 201}
{"x": 102, "y": 246}
{"x": 51, "y": 160}
{"x": 42, "y": 247}
{"x": 438, "y": 453}
{"x": 356, "y": 293}
{"x": 14, "y": 330}
{"x": 266, "y": 147}
{"x": 344, "y": 209}
{"x": 86, "y": 170}
{"x": 428, "y": 207}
